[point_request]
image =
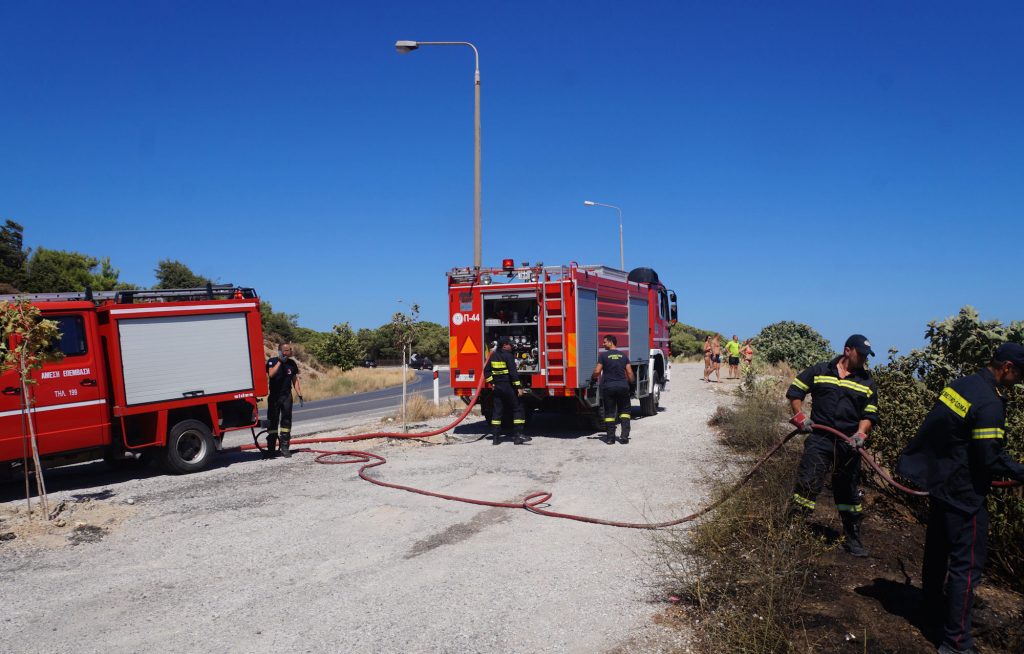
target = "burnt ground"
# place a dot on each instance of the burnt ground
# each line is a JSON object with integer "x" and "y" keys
{"x": 877, "y": 599}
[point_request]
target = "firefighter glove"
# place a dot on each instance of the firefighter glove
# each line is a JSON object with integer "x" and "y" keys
{"x": 802, "y": 422}
{"x": 858, "y": 439}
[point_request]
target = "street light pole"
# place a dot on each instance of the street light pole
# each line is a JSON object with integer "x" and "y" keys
{"x": 622, "y": 251}
{"x": 405, "y": 47}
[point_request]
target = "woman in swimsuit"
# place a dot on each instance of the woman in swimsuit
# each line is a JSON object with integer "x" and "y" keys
{"x": 707, "y": 357}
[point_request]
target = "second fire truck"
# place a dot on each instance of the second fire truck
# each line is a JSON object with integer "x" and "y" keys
{"x": 555, "y": 317}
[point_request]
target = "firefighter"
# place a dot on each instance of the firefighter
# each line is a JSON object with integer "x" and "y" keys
{"x": 957, "y": 451}
{"x": 846, "y": 399}
{"x": 616, "y": 375}
{"x": 284, "y": 375}
{"x": 502, "y": 374}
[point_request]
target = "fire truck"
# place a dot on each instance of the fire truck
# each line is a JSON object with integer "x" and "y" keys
{"x": 555, "y": 317}
{"x": 144, "y": 374}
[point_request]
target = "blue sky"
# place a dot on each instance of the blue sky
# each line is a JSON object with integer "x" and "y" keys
{"x": 855, "y": 166}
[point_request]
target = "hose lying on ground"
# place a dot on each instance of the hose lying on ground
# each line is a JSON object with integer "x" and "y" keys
{"x": 534, "y": 502}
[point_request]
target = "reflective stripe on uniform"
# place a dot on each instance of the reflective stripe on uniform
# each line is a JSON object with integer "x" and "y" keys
{"x": 955, "y": 401}
{"x": 495, "y": 422}
{"x": 498, "y": 364}
{"x": 803, "y": 501}
{"x": 518, "y": 421}
{"x": 489, "y": 379}
{"x": 609, "y": 419}
{"x": 625, "y": 416}
{"x": 871, "y": 408}
{"x": 850, "y": 508}
{"x": 843, "y": 383}
{"x": 994, "y": 432}
{"x": 802, "y": 386}
{"x": 285, "y": 430}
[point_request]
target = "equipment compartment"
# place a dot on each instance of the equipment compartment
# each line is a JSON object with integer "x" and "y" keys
{"x": 514, "y": 316}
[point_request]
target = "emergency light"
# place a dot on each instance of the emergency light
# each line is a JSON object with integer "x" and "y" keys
{"x": 508, "y": 264}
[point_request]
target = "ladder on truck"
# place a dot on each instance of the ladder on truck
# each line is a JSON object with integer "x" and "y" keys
{"x": 208, "y": 292}
{"x": 553, "y": 330}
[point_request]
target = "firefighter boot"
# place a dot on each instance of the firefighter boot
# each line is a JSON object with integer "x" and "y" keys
{"x": 285, "y": 451}
{"x": 624, "y": 437}
{"x": 271, "y": 450}
{"x": 517, "y": 435}
{"x": 609, "y": 433}
{"x": 851, "y": 529}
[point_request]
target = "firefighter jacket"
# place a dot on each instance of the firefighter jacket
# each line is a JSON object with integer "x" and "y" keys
{"x": 838, "y": 403}
{"x": 961, "y": 445}
{"x": 501, "y": 369}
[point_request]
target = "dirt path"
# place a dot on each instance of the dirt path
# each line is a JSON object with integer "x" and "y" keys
{"x": 289, "y": 555}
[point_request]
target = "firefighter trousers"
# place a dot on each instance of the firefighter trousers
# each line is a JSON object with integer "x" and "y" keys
{"x": 824, "y": 454}
{"x": 279, "y": 417}
{"x": 615, "y": 401}
{"x": 954, "y": 555}
{"x": 506, "y": 400}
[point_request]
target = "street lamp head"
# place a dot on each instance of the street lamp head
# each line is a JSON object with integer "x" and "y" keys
{"x": 405, "y": 47}
{"x": 589, "y": 203}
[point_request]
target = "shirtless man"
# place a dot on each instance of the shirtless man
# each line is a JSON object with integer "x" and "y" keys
{"x": 716, "y": 357}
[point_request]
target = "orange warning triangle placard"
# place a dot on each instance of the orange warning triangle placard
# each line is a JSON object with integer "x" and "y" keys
{"x": 469, "y": 347}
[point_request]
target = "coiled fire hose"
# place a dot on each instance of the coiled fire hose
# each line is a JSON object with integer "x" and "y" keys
{"x": 535, "y": 502}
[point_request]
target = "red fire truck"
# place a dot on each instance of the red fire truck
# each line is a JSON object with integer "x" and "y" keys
{"x": 143, "y": 372}
{"x": 555, "y": 317}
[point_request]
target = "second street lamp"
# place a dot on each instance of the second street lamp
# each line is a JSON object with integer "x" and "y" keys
{"x": 622, "y": 252}
{"x": 405, "y": 47}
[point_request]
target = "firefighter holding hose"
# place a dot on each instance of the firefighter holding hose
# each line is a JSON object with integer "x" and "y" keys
{"x": 959, "y": 449}
{"x": 845, "y": 399}
{"x": 284, "y": 375}
{"x": 502, "y": 374}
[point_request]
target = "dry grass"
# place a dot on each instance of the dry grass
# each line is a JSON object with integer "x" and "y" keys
{"x": 419, "y": 407}
{"x": 335, "y": 382}
{"x": 746, "y": 567}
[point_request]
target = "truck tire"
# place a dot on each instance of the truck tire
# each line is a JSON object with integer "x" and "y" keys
{"x": 649, "y": 403}
{"x": 189, "y": 447}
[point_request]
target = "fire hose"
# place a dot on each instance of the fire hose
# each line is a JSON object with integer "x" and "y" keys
{"x": 536, "y": 502}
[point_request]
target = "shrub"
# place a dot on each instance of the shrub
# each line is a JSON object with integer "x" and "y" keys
{"x": 339, "y": 348}
{"x": 794, "y": 343}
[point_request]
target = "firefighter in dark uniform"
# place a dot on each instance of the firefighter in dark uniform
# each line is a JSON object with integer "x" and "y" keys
{"x": 959, "y": 449}
{"x": 502, "y": 374}
{"x": 284, "y": 375}
{"x": 846, "y": 399}
{"x": 616, "y": 375}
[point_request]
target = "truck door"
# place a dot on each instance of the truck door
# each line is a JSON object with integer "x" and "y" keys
{"x": 70, "y": 411}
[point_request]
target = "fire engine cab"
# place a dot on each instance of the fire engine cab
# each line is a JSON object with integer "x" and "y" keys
{"x": 162, "y": 372}
{"x": 555, "y": 317}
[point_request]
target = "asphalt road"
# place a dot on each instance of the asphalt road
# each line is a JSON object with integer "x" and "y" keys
{"x": 338, "y": 412}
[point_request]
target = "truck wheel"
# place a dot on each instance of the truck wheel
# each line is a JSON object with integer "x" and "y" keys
{"x": 650, "y": 403}
{"x": 189, "y": 447}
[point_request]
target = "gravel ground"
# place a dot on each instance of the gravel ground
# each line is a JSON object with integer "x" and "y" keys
{"x": 293, "y": 556}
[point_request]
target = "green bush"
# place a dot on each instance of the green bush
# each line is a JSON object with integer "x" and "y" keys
{"x": 338, "y": 348}
{"x": 687, "y": 340}
{"x": 794, "y": 343}
{"x": 908, "y": 386}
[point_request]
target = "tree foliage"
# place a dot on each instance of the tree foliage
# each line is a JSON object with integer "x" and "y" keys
{"x": 339, "y": 347}
{"x": 795, "y": 343}
{"x": 171, "y": 273}
{"x": 61, "y": 271}
{"x": 277, "y": 325}
{"x": 13, "y": 257}
{"x": 908, "y": 387}
{"x": 687, "y": 340}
